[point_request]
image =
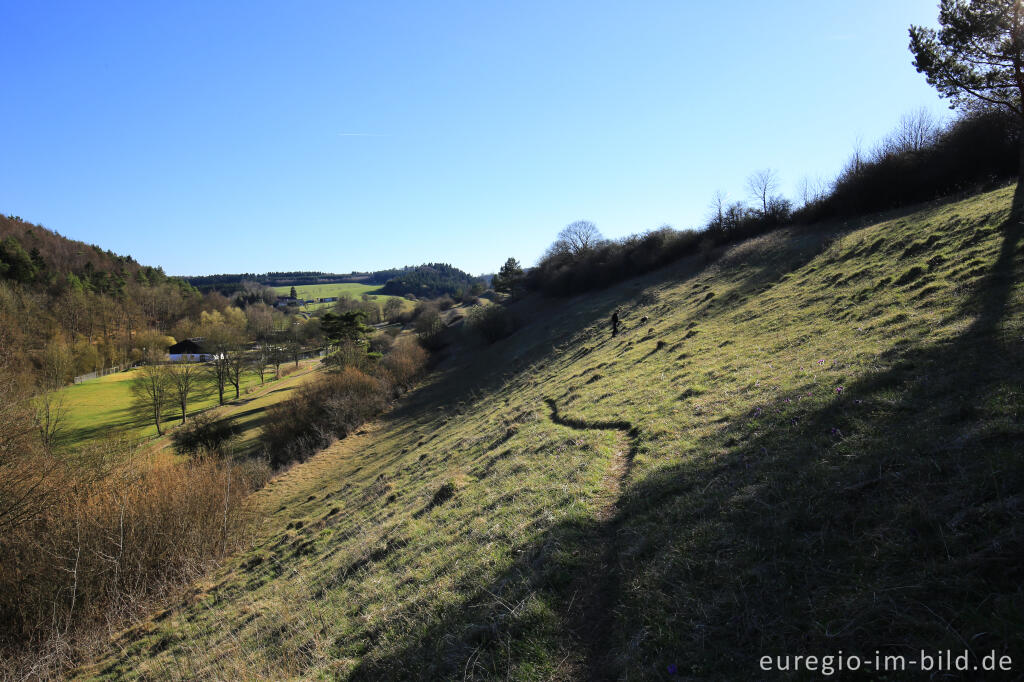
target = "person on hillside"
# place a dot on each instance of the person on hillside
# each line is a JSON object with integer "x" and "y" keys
{"x": 615, "y": 323}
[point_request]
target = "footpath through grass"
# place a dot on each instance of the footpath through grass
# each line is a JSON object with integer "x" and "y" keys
{"x": 811, "y": 445}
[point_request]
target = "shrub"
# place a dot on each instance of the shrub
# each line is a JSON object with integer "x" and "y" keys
{"x": 349, "y": 354}
{"x": 115, "y": 536}
{"x": 976, "y": 150}
{"x": 563, "y": 272}
{"x": 338, "y": 403}
{"x": 405, "y": 362}
{"x": 203, "y": 434}
{"x": 492, "y": 322}
{"x": 23, "y": 460}
{"x": 329, "y": 408}
{"x": 381, "y": 343}
{"x": 430, "y": 328}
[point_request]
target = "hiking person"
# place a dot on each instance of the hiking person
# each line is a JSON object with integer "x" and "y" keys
{"x": 615, "y": 323}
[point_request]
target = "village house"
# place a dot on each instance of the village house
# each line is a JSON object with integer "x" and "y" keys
{"x": 189, "y": 350}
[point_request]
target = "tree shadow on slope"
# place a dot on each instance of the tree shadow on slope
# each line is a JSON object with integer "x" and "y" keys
{"x": 885, "y": 517}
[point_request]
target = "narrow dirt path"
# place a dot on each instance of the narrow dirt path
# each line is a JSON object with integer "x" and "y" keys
{"x": 596, "y": 592}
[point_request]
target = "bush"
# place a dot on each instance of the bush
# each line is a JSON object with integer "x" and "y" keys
{"x": 23, "y": 459}
{"x": 204, "y": 434}
{"x": 349, "y": 354}
{"x": 562, "y": 272}
{"x": 338, "y": 403}
{"x": 329, "y": 408}
{"x": 405, "y": 362}
{"x": 115, "y": 536}
{"x": 492, "y": 322}
{"x": 381, "y": 343}
{"x": 285, "y": 370}
{"x": 977, "y": 150}
{"x": 430, "y": 328}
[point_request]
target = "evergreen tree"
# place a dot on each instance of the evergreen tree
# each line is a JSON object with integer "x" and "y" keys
{"x": 976, "y": 58}
{"x": 345, "y": 327}
{"x": 509, "y": 277}
{"x": 15, "y": 262}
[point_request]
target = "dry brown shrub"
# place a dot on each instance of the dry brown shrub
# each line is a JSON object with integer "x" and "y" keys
{"x": 405, "y": 361}
{"x": 118, "y": 531}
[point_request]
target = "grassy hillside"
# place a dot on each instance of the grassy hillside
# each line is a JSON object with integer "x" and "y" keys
{"x": 812, "y": 444}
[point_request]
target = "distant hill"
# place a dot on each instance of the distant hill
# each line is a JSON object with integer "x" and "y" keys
{"x": 53, "y": 287}
{"x": 229, "y": 283}
{"x": 33, "y": 255}
{"x": 427, "y": 280}
{"x": 430, "y": 280}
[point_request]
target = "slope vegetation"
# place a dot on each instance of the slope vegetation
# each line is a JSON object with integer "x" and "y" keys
{"x": 811, "y": 444}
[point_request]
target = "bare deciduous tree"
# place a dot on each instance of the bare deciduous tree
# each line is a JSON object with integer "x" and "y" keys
{"x": 717, "y": 208}
{"x": 51, "y": 411}
{"x": 152, "y": 393}
{"x": 392, "y": 309}
{"x": 220, "y": 340}
{"x": 238, "y": 359}
{"x": 261, "y": 358}
{"x": 812, "y": 190}
{"x": 762, "y": 186}
{"x": 916, "y": 131}
{"x": 579, "y": 237}
{"x": 186, "y": 381}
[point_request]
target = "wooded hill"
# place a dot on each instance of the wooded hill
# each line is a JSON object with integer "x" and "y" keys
{"x": 431, "y": 280}
{"x": 428, "y": 280}
{"x": 53, "y": 287}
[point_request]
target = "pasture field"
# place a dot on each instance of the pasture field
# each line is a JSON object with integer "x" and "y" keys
{"x": 249, "y": 411}
{"x": 349, "y": 289}
{"x": 101, "y": 407}
{"x": 808, "y": 442}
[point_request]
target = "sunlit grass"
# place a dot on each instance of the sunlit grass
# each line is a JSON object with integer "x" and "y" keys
{"x": 102, "y": 407}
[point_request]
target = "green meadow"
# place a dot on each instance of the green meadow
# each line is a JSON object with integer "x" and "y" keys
{"x": 102, "y": 407}
{"x": 355, "y": 290}
{"x": 312, "y": 291}
{"x": 806, "y": 443}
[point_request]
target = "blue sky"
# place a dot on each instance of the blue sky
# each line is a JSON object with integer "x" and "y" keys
{"x": 337, "y": 136}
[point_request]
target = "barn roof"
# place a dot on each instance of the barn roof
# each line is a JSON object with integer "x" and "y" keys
{"x": 187, "y": 347}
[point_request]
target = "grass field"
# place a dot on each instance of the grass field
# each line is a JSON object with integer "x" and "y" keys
{"x": 249, "y": 411}
{"x": 811, "y": 444}
{"x": 350, "y": 289}
{"x": 101, "y": 407}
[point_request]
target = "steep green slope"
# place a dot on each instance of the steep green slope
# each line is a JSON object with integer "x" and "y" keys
{"x": 812, "y": 444}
